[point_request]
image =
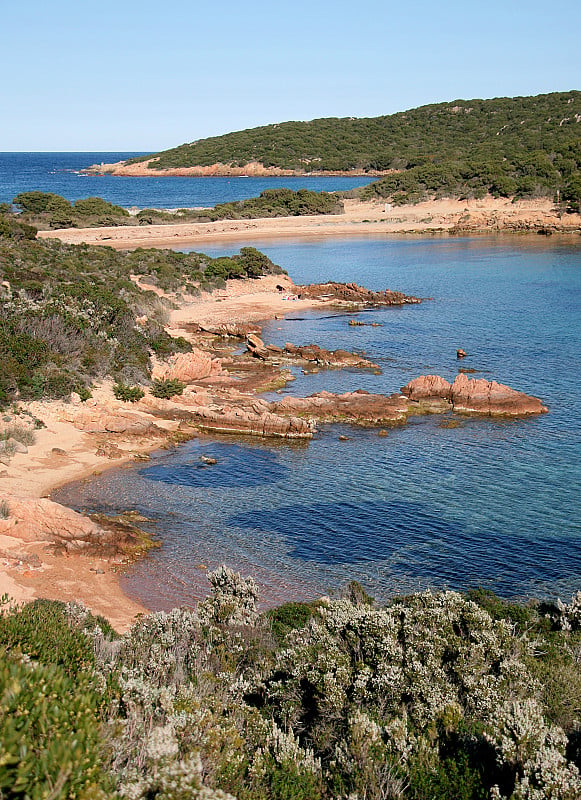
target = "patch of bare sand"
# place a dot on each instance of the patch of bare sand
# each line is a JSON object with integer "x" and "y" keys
{"x": 360, "y": 219}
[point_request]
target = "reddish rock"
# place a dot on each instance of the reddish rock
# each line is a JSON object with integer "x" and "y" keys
{"x": 471, "y": 395}
{"x": 187, "y": 367}
{"x": 427, "y": 387}
{"x": 236, "y": 330}
{"x": 353, "y": 294}
{"x": 100, "y": 420}
{"x": 36, "y": 519}
{"x": 256, "y": 346}
{"x": 232, "y": 419}
{"x": 359, "y": 408}
{"x": 478, "y": 396}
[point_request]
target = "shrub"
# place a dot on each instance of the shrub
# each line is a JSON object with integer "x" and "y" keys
{"x": 50, "y": 740}
{"x": 166, "y": 389}
{"x": 129, "y": 394}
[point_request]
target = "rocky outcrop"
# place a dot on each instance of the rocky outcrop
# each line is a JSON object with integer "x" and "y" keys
{"x": 101, "y": 420}
{"x": 234, "y": 330}
{"x": 429, "y": 393}
{"x": 187, "y": 367}
{"x": 353, "y": 295}
{"x": 33, "y": 520}
{"x": 258, "y": 421}
{"x": 478, "y": 396}
{"x": 310, "y": 354}
{"x": 359, "y": 408}
{"x": 256, "y": 347}
{"x": 470, "y": 395}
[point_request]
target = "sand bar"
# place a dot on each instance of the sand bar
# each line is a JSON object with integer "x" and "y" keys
{"x": 360, "y": 219}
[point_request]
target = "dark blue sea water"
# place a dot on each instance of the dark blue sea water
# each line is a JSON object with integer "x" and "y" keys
{"x": 488, "y": 502}
{"x": 60, "y": 173}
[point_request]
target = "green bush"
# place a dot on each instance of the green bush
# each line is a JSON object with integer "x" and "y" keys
{"x": 40, "y": 630}
{"x": 50, "y": 741}
{"x": 167, "y": 388}
{"x": 129, "y": 394}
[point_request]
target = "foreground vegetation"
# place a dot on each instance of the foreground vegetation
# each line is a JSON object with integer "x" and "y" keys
{"x": 73, "y": 314}
{"x": 45, "y": 210}
{"x": 432, "y": 697}
{"x": 523, "y": 146}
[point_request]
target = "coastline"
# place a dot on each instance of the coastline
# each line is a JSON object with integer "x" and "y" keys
{"x": 63, "y": 453}
{"x": 373, "y": 218}
{"x": 253, "y": 169}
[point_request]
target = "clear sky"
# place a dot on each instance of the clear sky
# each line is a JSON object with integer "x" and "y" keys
{"x": 145, "y": 76}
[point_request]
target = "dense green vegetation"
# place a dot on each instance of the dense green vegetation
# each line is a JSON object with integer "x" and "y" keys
{"x": 44, "y": 210}
{"x": 431, "y": 697}
{"x": 48, "y": 210}
{"x": 523, "y": 146}
{"x": 72, "y": 314}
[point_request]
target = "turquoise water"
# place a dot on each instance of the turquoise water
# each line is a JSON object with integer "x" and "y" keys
{"x": 490, "y": 502}
{"x": 60, "y": 173}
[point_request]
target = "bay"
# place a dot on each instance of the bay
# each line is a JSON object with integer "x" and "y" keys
{"x": 441, "y": 502}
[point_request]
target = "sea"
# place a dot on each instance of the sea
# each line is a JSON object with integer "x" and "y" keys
{"x": 62, "y": 173}
{"x": 442, "y": 502}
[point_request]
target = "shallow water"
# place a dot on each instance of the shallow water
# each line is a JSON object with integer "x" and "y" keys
{"x": 483, "y": 502}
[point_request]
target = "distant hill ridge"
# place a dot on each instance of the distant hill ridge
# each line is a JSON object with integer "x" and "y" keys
{"x": 522, "y": 146}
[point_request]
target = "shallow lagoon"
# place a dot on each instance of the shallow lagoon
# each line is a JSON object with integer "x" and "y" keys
{"x": 484, "y": 502}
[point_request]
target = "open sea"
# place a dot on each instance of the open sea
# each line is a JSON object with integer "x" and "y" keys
{"x": 441, "y": 502}
{"x": 61, "y": 173}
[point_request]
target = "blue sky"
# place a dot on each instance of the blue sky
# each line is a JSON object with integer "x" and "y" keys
{"x": 145, "y": 76}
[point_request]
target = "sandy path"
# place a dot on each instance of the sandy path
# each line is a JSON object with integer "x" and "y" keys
{"x": 359, "y": 219}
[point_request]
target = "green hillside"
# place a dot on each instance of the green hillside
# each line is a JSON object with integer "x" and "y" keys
{"x": 521, "y": 145}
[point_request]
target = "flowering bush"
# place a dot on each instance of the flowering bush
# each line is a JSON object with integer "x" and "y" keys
{"x": 430, "y": 697}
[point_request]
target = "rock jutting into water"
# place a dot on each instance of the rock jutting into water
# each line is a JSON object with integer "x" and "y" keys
{"x": 471, "y": 396}
{"x": 352, "y": 294}
{"x": 309, "y": 354}
{"x": 359, "y": 407}
{"x": 32, "y": 519}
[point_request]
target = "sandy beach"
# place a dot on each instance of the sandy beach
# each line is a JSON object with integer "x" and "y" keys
{"x": 360, "y": 219}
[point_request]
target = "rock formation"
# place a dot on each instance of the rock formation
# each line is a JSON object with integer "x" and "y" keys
{"x": 353, "y": 295}
{"x": 470, "y": 395}
{"x": 307, "y": 354}
{"x": 359, "y": 408}
{"x": 187, "y": 367}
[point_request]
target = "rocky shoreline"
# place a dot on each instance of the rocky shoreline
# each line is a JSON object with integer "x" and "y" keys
{"x": 251, "y": 170}
{"x": 49, "y": 550}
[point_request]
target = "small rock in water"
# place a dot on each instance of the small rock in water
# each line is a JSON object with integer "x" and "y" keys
{"x": 208, "y": 460}
{"x": 461, "y": 353}
{"x": 383, "y": 432}
{"x": 467, "y": 370}
{"x": 344, "y": 438}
